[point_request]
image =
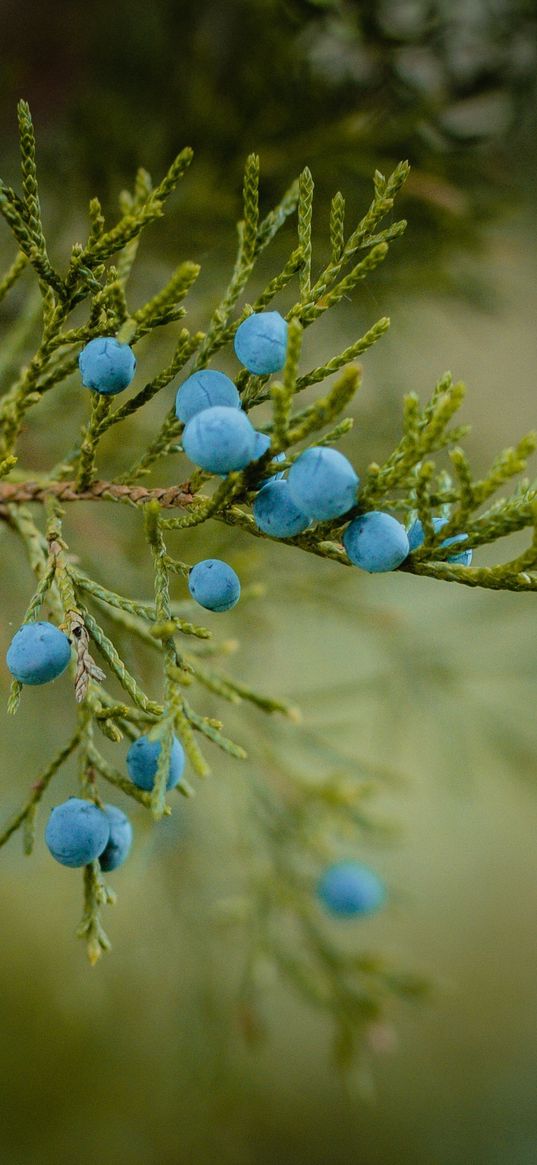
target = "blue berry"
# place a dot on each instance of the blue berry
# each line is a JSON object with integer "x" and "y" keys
{"x": 262, "y": 443}
{"x": 214, "y": 585}
{"x": 106, "y": 365}
{"x": 219, "y": 439}
{"x": 261, "y": 342}
{"x": 275, "y": 512}
{"x": 204, "y": 390}
{"x": 376, "y": 542}
{"x": 119, "y": 842}
{"x": 142, "y": 761}
{"x": 465, "y": 557}
{"x": 416, "y": 536}
{"x": 323, "y": 483}
{"x": 77, "y": 832}
{"x": 38, "y": 653}
{"x": 348, "y": 889}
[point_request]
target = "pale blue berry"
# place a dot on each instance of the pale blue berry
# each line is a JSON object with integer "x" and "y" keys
{"x": 77, "y": 832}
{"x": 204, "y": 390}
{"x": 323, "y": 483}
{"x": 142, "y": 761}
{"x": 275, "y": 512}
{"x": 416, "y": 537}
{"x": 262, "y": 443}
{"x": 106, "y": 365}
{"x": 376, "y": 542}
{"x": 261, "y": 342}
{"x": 214, "y": 585}
{"x": 348, "y": 889}
{"x": 119, "y": 842}
{"x": 219, "y": 439}
{"x": 38, "y": 652}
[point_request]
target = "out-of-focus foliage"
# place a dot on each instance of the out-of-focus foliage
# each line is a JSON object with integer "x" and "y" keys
{"x": 346, "y": 86}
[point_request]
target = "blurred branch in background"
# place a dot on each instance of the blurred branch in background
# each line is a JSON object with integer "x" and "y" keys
{"x": 346, "y": 86}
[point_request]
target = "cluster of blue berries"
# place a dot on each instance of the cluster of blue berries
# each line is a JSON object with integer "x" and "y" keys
{"x": 79, "y": 831}
{"x": 321, "y": 485}
{"x": 219, "y": 438}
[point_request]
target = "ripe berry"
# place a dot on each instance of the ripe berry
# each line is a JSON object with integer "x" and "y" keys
{"x": 275, "y": 512}
{"x": 219, "y": 439}
{"x": 323, "y": 483}
{"x": 119, "y": 842}
{"x": 38, "y": 653}
{"x": 416, "y": 536}
{"x": 142, "y": 761}
{"x": 106, "y": 365}
{"x": 376, "y": 542}
{"x": 348, "y": 889}
{"x": 261, "y": 342}
{"x": 262, "y": 443}
{"x": 205, "y": 390}
{"x": 77, "y": 832}
{"x": 214, "y": 585}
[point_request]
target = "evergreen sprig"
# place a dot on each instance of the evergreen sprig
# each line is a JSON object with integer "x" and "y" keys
{"x": 409, "y": 483}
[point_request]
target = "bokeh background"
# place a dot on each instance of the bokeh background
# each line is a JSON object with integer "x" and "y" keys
{"x": 141, "y": 1060}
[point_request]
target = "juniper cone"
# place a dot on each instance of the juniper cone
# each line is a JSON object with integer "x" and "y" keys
{"x": 143, "y": 758}
{"x": 261, "y": 342}
{"x": 77, "y": 832}
{"x": 214, "y": 585}
{"x": 38, "y": 653}
{"x": 106, "y": 365}
{"x": 119, "y": 842}
{"x": 204, "y": 390}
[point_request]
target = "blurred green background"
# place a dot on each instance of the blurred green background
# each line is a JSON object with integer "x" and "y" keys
{"x": 140, "y": 1061}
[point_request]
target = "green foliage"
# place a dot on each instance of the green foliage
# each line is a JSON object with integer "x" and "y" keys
{"x": 409, "y": 483}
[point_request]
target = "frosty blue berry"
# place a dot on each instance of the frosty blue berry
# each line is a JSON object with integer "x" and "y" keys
{"x": 261, "y": 342}
{"x": 219, "y": 439}
{"x": 38, "y": 653}
{"x": 262, "y": 444}
{"x": 349, "y": 889}
{"x": 376, "y": 542}
{"x": 214, "y": 585}
{"x": 77, "y": 832}
{"x": 119, "y": 842}
{"x": 322, "y": 483}
{"x": 205, "y": 390}
{"x": 275, "y": 512}
{"x": 106, "y": 365}
{"x": 416, "y": 537}
{"x": 142, "y": 762}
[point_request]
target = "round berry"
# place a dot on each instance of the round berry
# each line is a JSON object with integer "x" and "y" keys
{"x": 219, "y": 439}
{"x": 261, "y": 342}
{"x": 275, "y": 512}
{"x": 323, "y": 483}
{"x": 106, "y": 365}
{"x": 38, "y": 653}
{"x": 416, "y": 537}
{"x": 348, "y": 889}
{"x": 376, "y": 542}
{"x": 465, "y": 557}
{"x": 204, "y": 390}
{"x": 214, "y": 585}
{"x": 262, "y": 443}
{"x": 142, "y": 761}
{"x": 77, "y": 832}
{"x": 119, "y": 842}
